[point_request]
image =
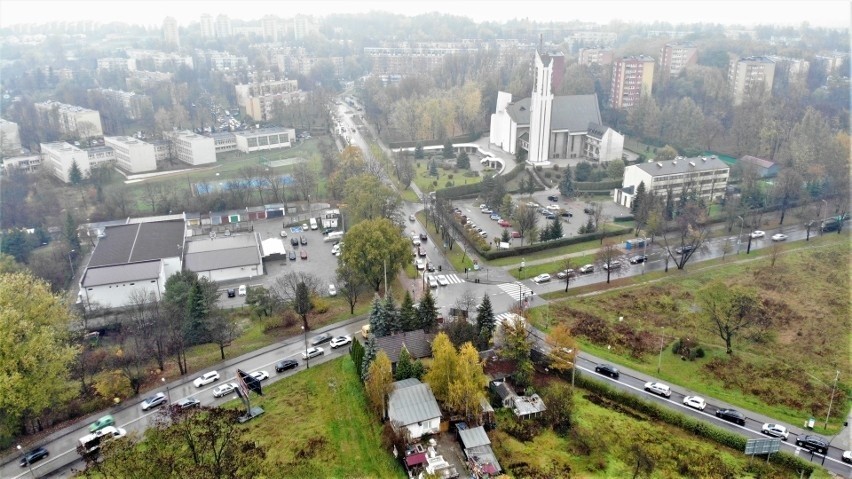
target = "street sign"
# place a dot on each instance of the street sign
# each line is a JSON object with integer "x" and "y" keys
{"x": 762, "y": 446}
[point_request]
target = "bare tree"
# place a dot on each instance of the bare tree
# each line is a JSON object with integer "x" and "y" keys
{"x": 286, "y": 286}
{"x": 728, "y": 311}
{"x": 223, "y": 328}
{"x": 525, "y": 221}
{"x": 467, "y": 301}
{"x": 253, "y": 175}
{"x": 351, "y": 283}
{"x": 152, "y": 192}
{"x": 569, "y": 272}
{"x": 689, "y": 233}
{"x": 775, "y": 252}
{"x": 607, "y": 257}
{"x": 305, "y": 179}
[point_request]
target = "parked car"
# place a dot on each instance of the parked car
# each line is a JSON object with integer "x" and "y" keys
{"x": 504, "y": 224}
{"x": 553, "y": 198}
{"x": 312, "y": 353}
{"x": 516, "y": 234}
{"x": 341, "y": 341}
{"x": 566, "y": 214}
{"x": 206, "y": 379}
{"x": 423, "y": 237}
{"x": 552, "y": 207}
{"x": 283, "y": 234}
{"x": 332, "y": 291}
{"x": 775, "y": 430}
{"x": 779, "y": 237}
{"x": 232, "y": 292}
{"x": 847, "y": 457}
{"x": 757, "y": 234}
{"x": 684, "y": 249}
{"x": 550, "y": 216}
{"x": 586, "y": 269}
{"x": 101, "y": 423}
{"x": 294, "y": 241}
{"x": 326, "y": 231}
{"x": 260, "y": 375}
{"x": 303, "y": 254}
{"x": 588, "y": 210}
{"x": 420, "y": 263}
{"x": 292, "y": 255}
{"x": 242, "y": 290}
{"x": 224, "y": 390}
{"x": 416, "y": 242}
{"x": 542, "y": 278}
{"x": 566, "y": 273}
{"x": 156, "y": 400}
{"x": 33, "y": 456}
{"x": 321, "y": 338}
{"x": 812, "y": 443}
{"x": 421, "y": 251}
{"x": 639, "y": 258}
{"x": 731, "y": 415}
{"x": 487, "y": 211}
{"x": 614, "y": 264}
{"x": 658, "y": 388}
{"x": 495, "y": 217}
{"x": 607, "y": 370}
{"x": 188, "y": 403}
{"x": 411, "y": 218}
{"x": 303, "y": 240}
{"x": 286, "y": 364}
{"x": 430, "y": 267}
{"x": 696, "y": 402}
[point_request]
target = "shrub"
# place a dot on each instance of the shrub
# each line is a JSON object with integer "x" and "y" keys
{"x": 538, "y": 168}
{"x": 555, "y": 167}
{"x": 448, "y": 184}
{"x": 547, "y": 174}
{"x": 450, "y": 176}
{"x": 320, "y": 305}
{"x": 699, "y": 353}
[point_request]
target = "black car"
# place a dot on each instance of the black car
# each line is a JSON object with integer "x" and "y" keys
{"x": 285, "y": 364}
{"x": 430, "y": 267}
{"x": 553, "y": 198}
{"x": 566, "y": 214}
{"x": 322, "y": 338}
{"x": 303, "y": 240}
{"x": 550, "y": 216}
{"x": 326, "y": 231}
{"x": 607, "y": 370}
{"x": 640, "y": 258}
{"x": 232, "y": 292}
{"x": 34, "y": 456}
{"x": 294, "y": 241}
{"x": 423, "y": 237}
{"x": 731, "y": 415}
{"x": 684, "y": 249}
{"x": 812, "y": 443}
{"x": 588, "y": 211}
{"x": 292, "y": 255}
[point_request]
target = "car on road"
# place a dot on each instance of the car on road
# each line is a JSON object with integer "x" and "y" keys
{"x": 156, "y": 400}
{"x": 321, "y": 338}
{"x": 224, "y": 390}
{"x": 33, "y": 456}
{"x": 411, "y": 218}
{"x": 312, "y": 353}
{"x": 260, "y": 375}
{"x": 442, "y": 281}
{"x": 846, "y": 457}
{"x": 286, "y": 364}
{"x": 303, "y": 254}
{"x": 775, "y": 430}
{"x": 639, "y": 258}
{"x": 294, "y": 241}
{"x": 553, "y": 198}
{"x": 242, "y": 290}
{"x": 421, "y": 264}
{"x": 607, "y": 370}
{"x": 812, "y": 443}
{"x": 232, "y": 292}
{"x": 495, "y": 217}
{"x": 757, "y": 234}
{"x": 552, "y": 207}
{"x": 614, "y": 264}
{"x": 586, "y": 269}
{"x": 341, "y": 341}
{"x": 542, "y": 278}
{"x": 332, "y": 291}
{"x": 188, "y": 403}
{"x": 684, "y": 249}
{"x": 504, "y": 223}
{"x": 484, "y": 234}
{"x": 566, "y": 214}
{"x": 658, "y": 388}
{"x": 550, "y": 216}
{"x": 779, "y": 237}
{"x": 487, "y": 211}
{"x": 430, "y": 267}
{"x": 696, "y": 402}
{"x": 292, "y": 255}
{"x": 303, "y": 240}
{"x": 731, "y": 415}
{"x": 433, "y": 283}
{"x": 101, "y": 423}
{"x": 566, "y": 273}
{"x": 206, "y": 379}
{"x": 415, "y": 241}
{"x": 421, "y": 252}
{"x": 423, "y": 237}
{"x": 283, "y": 234}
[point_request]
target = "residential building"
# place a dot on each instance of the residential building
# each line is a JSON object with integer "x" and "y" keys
{"x": 116, "y": 64}
{"x": 595, "y": 56}
{"x": 706, "y": 176}
{"x": 192, "y": 148}
{"x": 171, "y": 37}
{"x": 132, "y": 104}
{"x": 25, "y": 163}
{"x": 258, "y": 100}
{"x": 303, "y": 25}
{"x": 832, "y": 61}
{"x": 405, "y": 60}
{"x": 524, "y": 407}
{"x": 132, "y": 155}
{"x": 161, "y": 150}
{"x": 147, "y": 79}
{"x": 207, "y": 29}
{"x": 418, "y": 343}
{"x": 591, "y": 39}
{"x": 411, "y": 405}
{"x": 69, "y": 120}
{"x": 794, "y": 70}
{"x": 100, "y": 156}
{"x": 159, "y": 61}
{"x": 763, "y": 168}
{"x": 216, "y": 60}
{"x": 224, "y": 141}
{"x": 225, "y": 258}
{"x": 264, "y": 139}
{"x": 674, "y": 57}
{"x": 59, "y": 158}
{"x": 750, "y": 78}
{"x": 223, "y": 26}
{"x": 10, "y": 138}
{"x": 632, "y": 79}
{"x": 272, "y": 28}
{"x": 302, "y": 64}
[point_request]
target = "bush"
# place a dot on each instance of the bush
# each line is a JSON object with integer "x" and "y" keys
{"x": 450, "y": 176}
{"x": 555, "y": 167}
{"x": 699, "y": 353}
{"x": 448, "y": 184}
{"x": 547, "y": 174}
{"x": 538, "y": 168}
{"x": 320, "y": 305}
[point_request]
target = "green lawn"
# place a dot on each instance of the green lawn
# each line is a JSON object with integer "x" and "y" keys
{"x": 316, "y": 424}
{"x": 424, "y": 181}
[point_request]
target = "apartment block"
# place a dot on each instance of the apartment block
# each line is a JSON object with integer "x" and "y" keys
{"x": 258, "y": 99}
{"x": 171, "y": 37}
{"x": 70, "y": 120}
{"x": 264, "y": 139}
{"x": 224, "y": 141}
{"x": 750, "y": 78}
{"x": 411, "y": 60}
{"x": 595, "y": 56}
{"x": 223, "y": 26}
{"x": 707, "y": 176}
{"x": 100, "y": 156}
{"x": 116, "y": 64}
{"x": 216, "y": 60}
{"x": 60, "y": 156}
{"x": 632, "y": 79}
{"x": 25, "y": 163}
{"x": 145, "y": 79}
{"x": 157, "y": 60}
{"x": 674, "y": 57}
{"x": 10, "y": 138}
{"x": 192, "y": 148}
{"x": 132, "y": 104}
{"x": 207, "y": 28}
{"x": 132, "y": 155}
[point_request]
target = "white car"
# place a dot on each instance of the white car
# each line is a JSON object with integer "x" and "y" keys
{"x": 224, "y": 390}
{"x": 586, "y": 269}
{"x": 242, "y": 290}
{"x": 847, "y": 457}
{"x": 757, "y": 234}
{"x": 696, "y": 402}
{"x": 283, "y": 234}
{"x": 433, "y": 283}
{"x": 542, "y": 278}
{"x": 335, "y": 250}
{"x": 312, "y": 352}
{"x": 658, "y": 388}
{"x": 421, "y": 264}
{"x": 553, "y": 207}
{"x": 206, "y": 379}
{"x": 305, "y": 227}
{"x": 332, "y": 291}
{"x": 411, "y": 218}
{"x": 442, "y": 281}
{"x": 341, "y": 341}
{"x": 260, "y": 375}
{"x": 779, "y": 237}
{"x": 775, "y": 430}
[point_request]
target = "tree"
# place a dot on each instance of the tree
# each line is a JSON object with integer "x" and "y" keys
{"x": 638, "y": 199}
{"x": 560, "y": 407}
{"x": 443, "y": 369}
{"x": 351, "y": 283}
{"x": 566, "y": 184}
{"x": 448, "y": 149}
{"x": 370, "y": 350}
{"x": 304, "y": 179}
{"x": 379, "y": 383}
{"x": 516, "y": 348}
{"x": 690, "y": 230}
{"x": 35, "y": 354}
{"x": 418, "y": 151}
{"x": 666, "y": 153}
{"x": 367, "y": 197}
{"x": 75, "y": 176}
{"x": 643, "y": 462}
{"x": 372, "y": 245}
{"x": 302, "y": 304}
{"x": 404, "y": 365}
{"x": 391, "y": 315}
{"x": 405, "y": 171}
{"x": 223, "y": 327}
{"x": 787, "y": 190}
{"x": 467, "y": 388}
{"x": 485, "y": 323}
{"x": 569, "y": 272}
{"x": 615, "y": 169}
{"x": 463, "y": 161}
{"x": 563, "y": 348}
{"x": 525, "y": 220}
{"x": 70, "y": 232}
{"x": 427, "y": 313}
{"x": 583, "y": 171}
{"x": 607, "y": 257}
{"x": 729, "y": 310}
{"x": 407, "y": 314}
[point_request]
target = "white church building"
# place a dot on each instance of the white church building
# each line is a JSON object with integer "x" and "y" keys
{"x": 552, "y": 127}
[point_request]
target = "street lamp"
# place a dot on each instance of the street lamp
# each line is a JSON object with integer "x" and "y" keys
{"x": 739, "y": 236}
{"x": 307, "y": 356}
{"x": 30, "y": 466}
{"x": 660, "y": 359}
{"x": 70, "y": 264}
{"x": 831, "y": 401}
{"x": 168, "y": 392}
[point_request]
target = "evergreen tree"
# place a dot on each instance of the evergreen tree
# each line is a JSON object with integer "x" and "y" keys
{"x": 485, "y": 323}
{"x": 583, "y": 171}
{"x": 530, "y": 184}
{"x": 638, "y": 198}
{"x": 369, "y": 355}
{"x": 556, "y": 229}
{"x": 545, "y": 233}
{"x": 448, "y": 149}
{"x": 505, "y": 236}
{"x": 418, "y": 152}
{"x": 392, "y": 319}
{"x": 75, "y": 176}
{"x": 463, "y": 161}
{"x": 495, "y": 197}
{"x": 403, "y": 365}
{"x": 378, "y": 319}
{"x": 407, "y": 314}
{"x": 433, "y": 168}
{"x": 71, "y": 232}
{"x": 356, "y": 352}
{"x": 566, "y": 186}
{"x": 427, "y": 314}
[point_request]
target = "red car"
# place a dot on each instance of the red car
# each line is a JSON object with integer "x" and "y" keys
{"x": 303, "y": 254}
{"x": 516, "y": 234}
{"x": 504, "y": 223}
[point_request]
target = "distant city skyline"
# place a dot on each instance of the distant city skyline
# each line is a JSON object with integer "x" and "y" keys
{"x": 820, "y": 13}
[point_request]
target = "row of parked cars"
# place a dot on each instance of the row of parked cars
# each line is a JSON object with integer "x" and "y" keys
{"x": 589, "y": 268}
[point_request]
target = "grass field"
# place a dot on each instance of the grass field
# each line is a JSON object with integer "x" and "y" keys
{"x": 316, "y": 424}
{"x": 424, "y": 181}
{"x": 806, "y": 296}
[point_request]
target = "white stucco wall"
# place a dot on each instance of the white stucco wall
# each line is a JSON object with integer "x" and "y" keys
{"x": 431, "y": 426}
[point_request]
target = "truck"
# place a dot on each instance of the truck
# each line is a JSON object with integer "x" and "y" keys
{"x": 334, "y": 236}
{"x": 314, "y": 223}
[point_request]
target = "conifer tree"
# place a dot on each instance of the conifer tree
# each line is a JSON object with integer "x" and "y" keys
{"x": 378, "y": 319}
{"x": 485, "y": 323}
{"x": 407, "y": 314}
{"x": 427, "y": 314}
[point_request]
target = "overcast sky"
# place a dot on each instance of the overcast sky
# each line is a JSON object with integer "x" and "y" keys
{"x": 821, "y": 13}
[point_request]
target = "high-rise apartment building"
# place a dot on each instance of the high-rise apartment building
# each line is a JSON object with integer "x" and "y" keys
{"x": 632, "y": 79}
{"x": 750, "y": 78}
{"x": 70, "y": 120}
{"x": 207, "y": 30}
{"x": 10, "y": 138}
{"x": 595, "y": 56}
{"x": 170, "y": 32}
{"x": 674, "y": 57}
{"x": 258, "y": 99}
{"x": 223, "y": 26}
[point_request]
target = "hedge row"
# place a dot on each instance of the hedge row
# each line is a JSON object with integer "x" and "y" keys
{"x": 528, "y": 249}
{"x": 469, "y": 138}
{"x": 695, "y": 426}
{"x": 597, "y": 185}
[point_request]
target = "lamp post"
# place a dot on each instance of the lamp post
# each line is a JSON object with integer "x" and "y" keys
{"x": 70, "y": 264}
{"x": 307, "y": 356}
{"x": 739, "y": 236}
{"x": 660, "y": 358}
{"x": 30, "y": 466}
{"x": 168, "y": 391}
{"x": 819, "y": 216}
{"x": 831, "y": 401}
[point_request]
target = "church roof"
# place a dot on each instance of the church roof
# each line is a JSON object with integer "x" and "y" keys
{"x": 571, "y": 113}
{"x": 596, "y": 131}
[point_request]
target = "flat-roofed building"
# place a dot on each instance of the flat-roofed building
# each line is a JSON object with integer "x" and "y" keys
{"x": 100, "y": 156}
{"x": 225, "y": 141}
{"x": 706, "y": 176}
{"x": 70, "y": 120}
{"x": 632, "y": 79}
{"x": 132, "y": 155}
{"x": 61, "y": 156}
{"x": 134, "y": 105}
{"x": 595, "y": 56}
{"x": 10, "y": 138}
{"x": 192, "y": 148}
{"x": 225, "y": 258}
{"x": 26, "y": 164}
{"x": 116, "y": 64}
{"x": 674, "y": 57}
{"x": 265, "y": 139}
{"x": 750, "y": 78}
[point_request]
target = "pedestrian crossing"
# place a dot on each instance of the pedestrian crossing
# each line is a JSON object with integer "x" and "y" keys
{"x": 515, "y": 290}
{"x": 449, "y": 278}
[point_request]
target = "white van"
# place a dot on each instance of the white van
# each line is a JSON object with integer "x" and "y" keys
{"x": 92, "y": 442}
{"x": 314, "y": 223}
{"x": 334, "y": 236}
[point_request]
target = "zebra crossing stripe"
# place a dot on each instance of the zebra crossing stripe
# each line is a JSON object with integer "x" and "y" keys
{"x": 515, "y": 289}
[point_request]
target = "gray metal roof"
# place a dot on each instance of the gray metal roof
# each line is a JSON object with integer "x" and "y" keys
{"x": 571, "y": 113}
{"x": 122, "y": 273}
{"x": 474, "y": 437}
{"x": 483, "y": 455}
{"x": 683, "y": 165}
{"x": 133, "y": 243}
{"x": 418, "y": 344}
{"x": 413, "y": 404}
{"x": 222, "y": 252}
{"x": 406, "y": 383}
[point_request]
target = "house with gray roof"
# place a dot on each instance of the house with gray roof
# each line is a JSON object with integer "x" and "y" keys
{"x": 417, "y": 342}
{"x": 707, "y": 176}
{"x": 763, "y": 168}
{"x": 411, "y": 405}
